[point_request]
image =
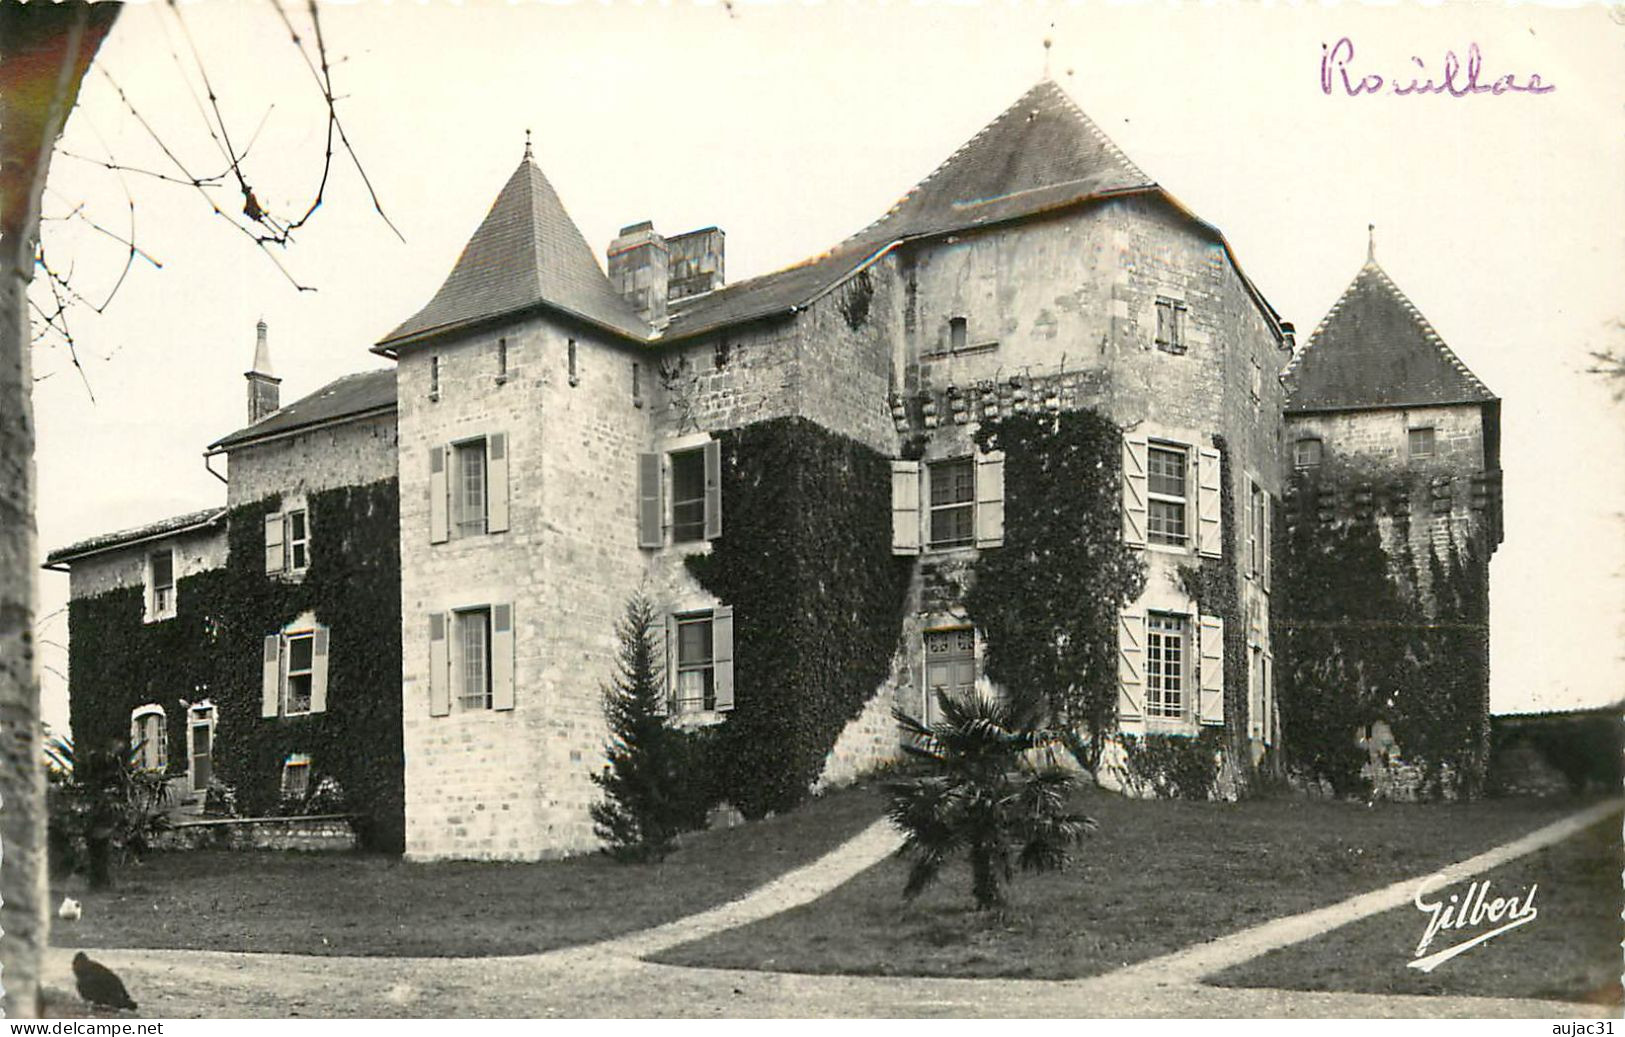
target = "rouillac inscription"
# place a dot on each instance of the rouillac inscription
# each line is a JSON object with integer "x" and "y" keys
{"x": 1456, "y": 78}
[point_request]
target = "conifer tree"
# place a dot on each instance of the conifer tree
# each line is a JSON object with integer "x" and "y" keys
{"x": 646, "y": 803}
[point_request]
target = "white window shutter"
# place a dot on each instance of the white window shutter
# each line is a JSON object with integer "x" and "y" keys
{"x": 669, "y": 685}
{"x": 1134, "y": 490}
{"x": 318, "y": 671}
{"x": 649, "y": 532}
{"x": 1209, "y": 479}
{"x": 1130, "y": 665}
{"x": 905, "y": 507}
{"x": 439, "y": 495}
{"x": 713, "y": 489}
{"x": 722, "y": 656}
{"x": 1211, "y": 703}
{"x": 439, "y": 667}
{"x": 162, "y": 762}
{"x": 990, "y": 499}
{"x": 1269, "y": 536}
{"x": 273, "y": 543}
{"x": 271, "y": 676}
{"x": 496, "y": 482}
{"x": 1268, "y": 699}
{"x": 502, "y": 657}
{"x": 1250, "y": 569}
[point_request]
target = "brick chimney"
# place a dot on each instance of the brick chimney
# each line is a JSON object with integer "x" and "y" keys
{"x": 696, "y": 263}
{"x": 264, "y": 388}
{"x": 638, "y": 267}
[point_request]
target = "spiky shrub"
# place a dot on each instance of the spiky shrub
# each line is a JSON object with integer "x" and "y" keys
{"x": 647, "y": 800}
{"x": 984, "y": 794}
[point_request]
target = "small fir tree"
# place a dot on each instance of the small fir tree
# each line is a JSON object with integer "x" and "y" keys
{"x": 646, "y": 804}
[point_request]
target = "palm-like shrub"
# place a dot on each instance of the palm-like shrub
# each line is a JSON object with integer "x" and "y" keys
{"x": 991, "y": 790}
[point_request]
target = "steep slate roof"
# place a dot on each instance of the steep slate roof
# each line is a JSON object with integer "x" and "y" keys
{"x": 350, "y": 396}
{"x": 1375, "y": 349}
{"x": 205, "y": 519}
{"x": 1041, "y": 153}
{"x": 526, "y": 252}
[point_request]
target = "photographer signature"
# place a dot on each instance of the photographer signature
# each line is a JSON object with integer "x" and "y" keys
{"x": 1460, "y": 912}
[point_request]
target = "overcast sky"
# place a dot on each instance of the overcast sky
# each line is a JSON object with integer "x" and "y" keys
{"x": 791, "y": 127}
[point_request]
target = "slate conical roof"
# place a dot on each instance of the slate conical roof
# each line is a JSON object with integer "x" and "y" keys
{"x": 527, "y": 252}
{"x": 1041, "y": 153}
{"x": 1375, "y": 349}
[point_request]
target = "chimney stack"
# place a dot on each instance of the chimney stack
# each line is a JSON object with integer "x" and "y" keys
{"x": 264, "y": 388}
{"x": 696, "y": 263}
{"x": 638, "y": 268}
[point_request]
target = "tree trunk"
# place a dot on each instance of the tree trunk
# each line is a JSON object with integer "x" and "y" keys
{"x": 45, "y": 50}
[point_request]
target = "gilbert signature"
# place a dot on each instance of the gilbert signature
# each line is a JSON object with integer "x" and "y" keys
{"x": 1470, "y": 911}
{"x": 1456, "y": 78}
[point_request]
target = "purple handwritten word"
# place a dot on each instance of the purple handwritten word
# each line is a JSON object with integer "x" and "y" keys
{"x": 1457, "y": 80}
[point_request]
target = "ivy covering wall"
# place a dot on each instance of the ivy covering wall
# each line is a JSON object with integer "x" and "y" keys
{"x": 805, "y": 560}
{"x": 1358, "y": 641}
{"x": 212, "y": 649}
{"x": 1047, "y": 602}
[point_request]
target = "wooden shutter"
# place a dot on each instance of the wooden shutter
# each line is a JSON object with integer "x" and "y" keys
{"x": 990, "y": 499}
{"x": 439, "y": 667}
{"x": 274, "y": 558}
{"x": 1208, "y": 481}
{"x": 496, "y": 482}
{"x": 905, "y": 507}
{"x": 318, "y": 671}
{"x": 162, "y": 762}
{"x": 1211, "y": 701}
{"x": 438, "y": 495}
{"x": 1134, "y": 490}
{"x": 722, "y": 656}
{"x": 669, "y": 685}
{"x": 1130, "y": 665}
{"x": 1251, "y": 539}
{"x": 271, "y": 676}
{"x": 1268, "y": 534}
{"x": 501, "y": 656}
{"x": 1267, "y": 699}
{"x": 713, "y": 489}
{"x": 649, "y": 500}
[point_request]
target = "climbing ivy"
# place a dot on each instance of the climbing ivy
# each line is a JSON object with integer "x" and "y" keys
{"x": 1047, "y": 602}
{"x": 212, "y": 649}
{"x": 805, "y": 560}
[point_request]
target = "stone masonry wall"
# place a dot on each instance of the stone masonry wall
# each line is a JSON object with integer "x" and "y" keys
{"x": 354, "y": 453}
{"x": 195, "y": 552}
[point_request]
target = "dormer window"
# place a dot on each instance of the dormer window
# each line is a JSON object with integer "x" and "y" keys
{"x": 160, "y": 584}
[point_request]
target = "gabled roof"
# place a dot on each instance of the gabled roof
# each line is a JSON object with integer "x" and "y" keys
{"x": 527, "y": 252}
{"x": 1041, "y": 153}
{"x": 190, "y": 522}
{"x": 353, "y": 396}
{"x": 1375, "y": 349}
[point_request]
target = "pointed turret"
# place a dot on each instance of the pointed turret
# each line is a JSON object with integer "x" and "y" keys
{"x": 527, "y": 253}
{"x": 264, "y": 388}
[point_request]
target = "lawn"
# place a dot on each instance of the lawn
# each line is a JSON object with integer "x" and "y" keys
{"x": 1569, "y": 952}
{"x": 380, "y": 905}
{"x": 1157, "y": 877}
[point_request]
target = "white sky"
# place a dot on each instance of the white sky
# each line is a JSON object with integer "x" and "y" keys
{"x": 791, "y": 127}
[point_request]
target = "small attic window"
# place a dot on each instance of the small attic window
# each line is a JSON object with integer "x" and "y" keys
{"x": 575, "y": 376}
{"x": 637, "y": 386}
{"x": 956, "y": 334}
{"x": 1419, "y": 441}
{"x": 502, "y": 360}
{"x": 1306, "y": 453}
{"x": 434, "y": 378}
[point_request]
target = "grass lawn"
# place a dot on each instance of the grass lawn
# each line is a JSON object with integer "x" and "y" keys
{"x": 380, "y": 905}
{"x": 1570, "y": 951}
{"x": 1157, "y": 877}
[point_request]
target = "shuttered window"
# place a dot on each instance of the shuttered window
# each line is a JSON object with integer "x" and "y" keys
{"x": 687, "y": 495}
{"x": 1167, "y": 503}
{"x": 298, "y": 541}
{"x": 474, "y": 659}
{"x": 469, "y": 495}
{"x": 953, "y": 502}
{"x": 1165, "y": 665}
{"x": 1170, "y": 326}
{"x": 700, "y": 661}
{"x": 301, "y": 673}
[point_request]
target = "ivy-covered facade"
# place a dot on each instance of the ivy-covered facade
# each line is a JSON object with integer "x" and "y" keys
{"x": 1024, "y": 435}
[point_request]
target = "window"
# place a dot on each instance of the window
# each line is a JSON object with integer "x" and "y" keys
{"x": 701, "y": 660}
{"x": 1420, "y": 441}
{"x": 953, "y": 502}
{"x": 200, "y": 751}
{"x": 296, "y": 776}
{"x": 469, "y": 495}
{"x": 502, "y": 360}
{"x": 1306, "y": 453}
{"x": 298, "y": 542}
{"x": 1170, "y": 325}
{"x": 149, "y": 738}
{"x": 575, "y": 377}
{"x": 950, "y": 666}
{"x": 696, "y": 665}
{"x": 1166, "y": 503}
{"x": 161, "y": 584}
{"x": 956, "y": 334}
{"x": 688, "y": 495}
{"x": 473, "y": 671}
{"x": 301, "y": 673}
{"x": 1257, "y": 531}
{"x": 287, "y": 540}
{"x": 637, "y": 386}
{"x": 434, "y": 378}
{"x": 1165, "y": 666}
{"x": 1256, "y": 389}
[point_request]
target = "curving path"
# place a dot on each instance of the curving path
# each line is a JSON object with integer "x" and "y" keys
{"x": 608, "y": 979}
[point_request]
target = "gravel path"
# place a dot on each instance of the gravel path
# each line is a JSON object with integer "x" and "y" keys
{"x": 608, "y": 979}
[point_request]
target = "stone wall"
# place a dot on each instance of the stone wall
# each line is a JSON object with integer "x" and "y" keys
{"x": 195, "y": 552}
{"x": 353, "y": 453}
{"x": 316, "y": 833}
